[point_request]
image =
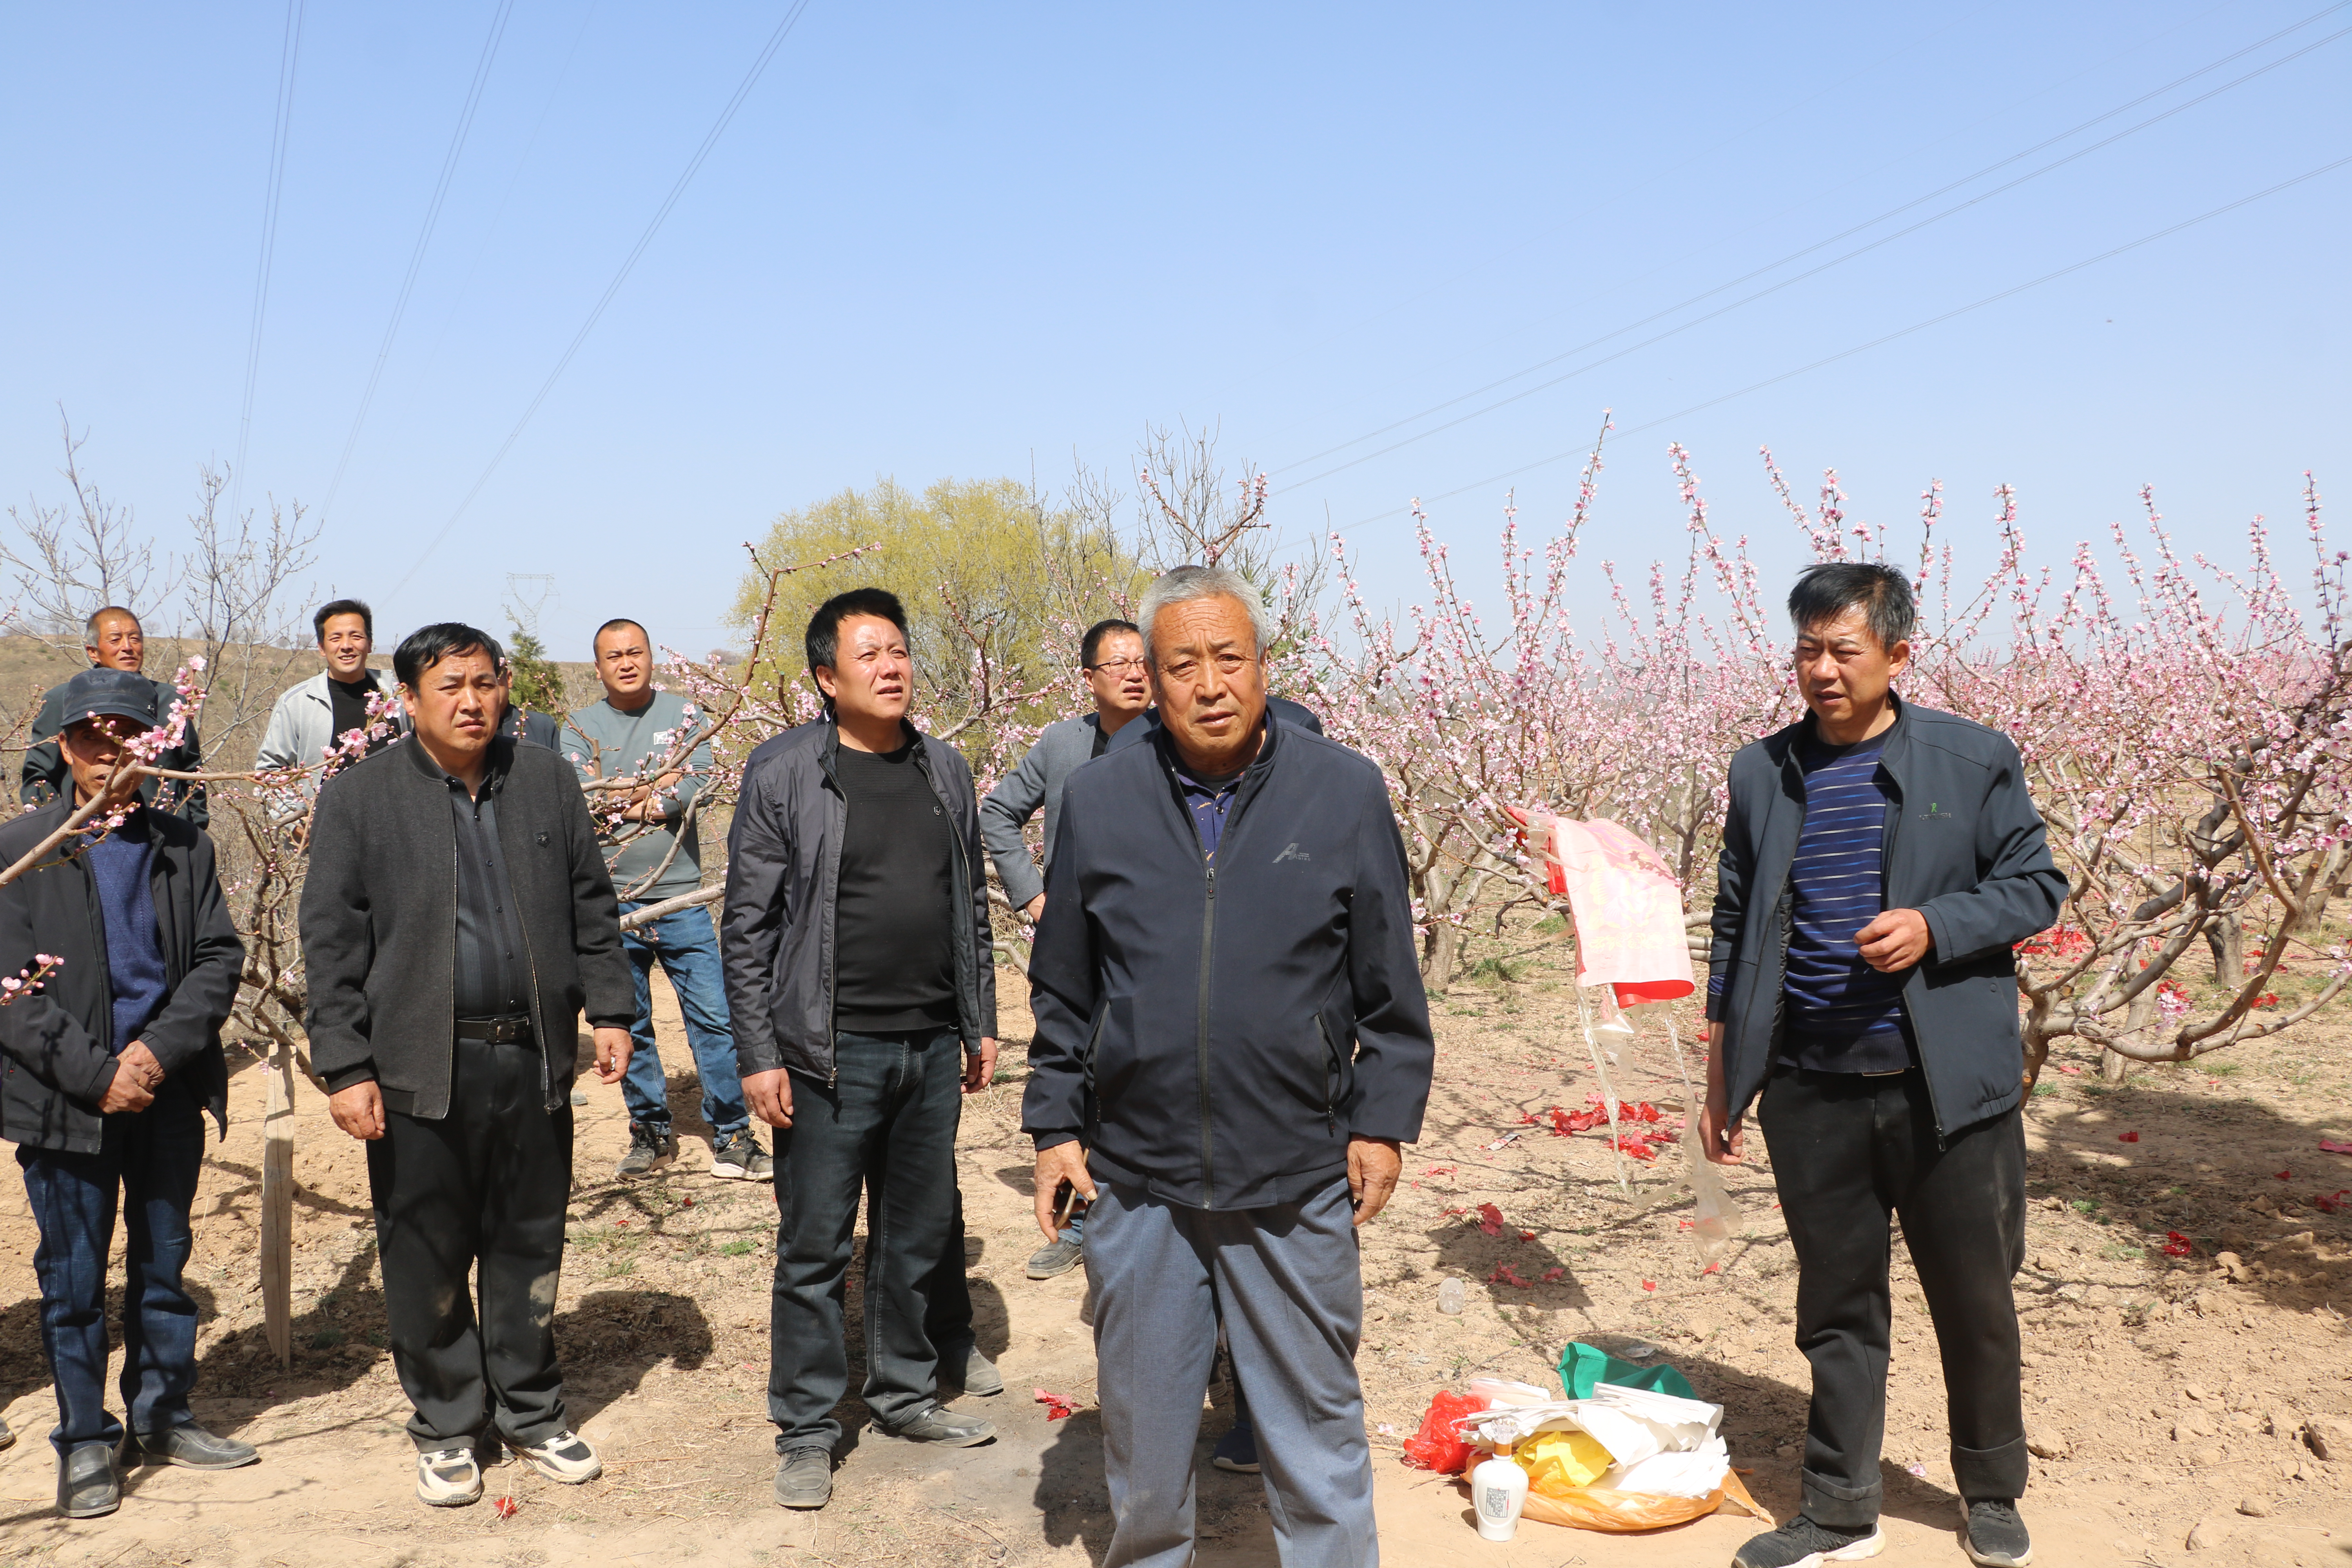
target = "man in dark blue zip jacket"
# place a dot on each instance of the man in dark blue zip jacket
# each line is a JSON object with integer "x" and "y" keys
{"x": 1232, "y": 1042}
{"x": 1879, "y": 862}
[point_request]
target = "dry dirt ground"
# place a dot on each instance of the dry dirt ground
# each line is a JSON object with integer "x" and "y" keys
{"x": 2168, "y": 1393}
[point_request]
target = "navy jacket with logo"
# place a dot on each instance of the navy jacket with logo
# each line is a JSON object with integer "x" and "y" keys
{"x": 1964, "y": 846}
{"x": 1215, "y": 1031}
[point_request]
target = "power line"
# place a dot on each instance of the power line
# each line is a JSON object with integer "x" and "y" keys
{"x": 1890, "y": 337}
{"x": 289, "y": 50}
{"x": 423, "y": 240}
{"x": 1811, "y": 272}
{"x": 719, "y": 128}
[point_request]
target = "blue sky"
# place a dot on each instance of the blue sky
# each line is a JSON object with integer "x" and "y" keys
{"x": 974, "y": 241}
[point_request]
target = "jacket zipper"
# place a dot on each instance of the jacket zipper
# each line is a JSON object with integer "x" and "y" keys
{"x": 1208, "y": 944}
{"x": 1336, "y": 1075}
{"x": 1886, "y": 901}
{"x": 530, "y": 969}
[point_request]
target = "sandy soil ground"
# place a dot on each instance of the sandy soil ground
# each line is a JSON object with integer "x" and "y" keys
{"x": 2173, "y": 1396}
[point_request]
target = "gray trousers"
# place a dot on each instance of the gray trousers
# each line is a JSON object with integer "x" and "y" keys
{"x": 1286, "y": 1282}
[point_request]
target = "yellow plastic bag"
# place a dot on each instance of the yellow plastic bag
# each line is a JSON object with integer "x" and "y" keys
{"x": 1561, "y": 1461}
{"x": 1588, "y": 1507}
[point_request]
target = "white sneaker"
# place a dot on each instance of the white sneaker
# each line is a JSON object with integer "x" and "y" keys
{"x": 565, "y": 1457}
{"x": 448, "y": 1478}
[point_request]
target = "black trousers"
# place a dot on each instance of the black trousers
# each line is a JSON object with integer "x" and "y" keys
{"x": 484, "y": 1187}
{"x": 1848, "y": 1151}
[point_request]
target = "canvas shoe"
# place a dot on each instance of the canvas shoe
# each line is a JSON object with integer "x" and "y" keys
{"x": 1802, "y": 1543}
{"x": 565, "y": 1457}
{"x": 737, "y": 1157}
{"x": 448, "y": 1478}
{"x": 650, "y": 1148}
{"x": 1993, "y": 1534}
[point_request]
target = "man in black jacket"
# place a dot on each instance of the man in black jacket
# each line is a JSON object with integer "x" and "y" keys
{"x": 1232, "y": 1042}
{"x": 113, "y": 639}
{"x": 112, "y": 1055}
{"x": 1879, "y": 862}
{"x": 457, "y": 919}
{"x": 858, "y": 959}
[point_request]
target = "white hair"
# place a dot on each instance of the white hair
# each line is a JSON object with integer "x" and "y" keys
{"x": 1186, "y": 584}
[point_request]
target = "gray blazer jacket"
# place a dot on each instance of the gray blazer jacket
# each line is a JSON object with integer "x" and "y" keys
{"x": 1063, "y": 747}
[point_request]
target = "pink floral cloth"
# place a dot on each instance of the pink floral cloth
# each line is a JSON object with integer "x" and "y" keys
{"x": 1628, "y": 907}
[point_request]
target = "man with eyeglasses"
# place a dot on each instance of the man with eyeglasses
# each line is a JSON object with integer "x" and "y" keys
{"x": 1111, "y": 657}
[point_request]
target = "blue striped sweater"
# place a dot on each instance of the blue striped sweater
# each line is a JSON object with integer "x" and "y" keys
{"x": 1840, "y": 1014}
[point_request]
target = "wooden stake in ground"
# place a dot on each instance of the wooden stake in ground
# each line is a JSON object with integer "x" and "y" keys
{"x": 278, "y": 1207}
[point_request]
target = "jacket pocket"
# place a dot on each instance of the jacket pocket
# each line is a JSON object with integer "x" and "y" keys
{"x": 1337, "y": 1075}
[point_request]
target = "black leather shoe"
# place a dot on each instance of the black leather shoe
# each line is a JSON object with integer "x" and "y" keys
{"x": 87, "y": 1484}
{"x": 190, "y": 1445}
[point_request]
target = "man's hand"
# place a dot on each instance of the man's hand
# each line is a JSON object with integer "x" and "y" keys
{"x": 613, "y": 1048}
{"x": 359, "y": 1110}
{"x": 1719, "y": 1142}
{"x": 1373, "y": 1164}
{"x": 979, "y": 1067}
{"x": 1034, "y": 909}
{"x": 770, "y": 1096}
{"x": 1896, "y": 939}
{"x": 124, "y": 1091}
{"x": 142, "y": 1061}
{"x": 1062, "y": 1162}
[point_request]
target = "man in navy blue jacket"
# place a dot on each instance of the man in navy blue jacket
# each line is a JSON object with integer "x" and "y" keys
{"x": 1232, "y": 1042}
{"x": 1879, "y": 861}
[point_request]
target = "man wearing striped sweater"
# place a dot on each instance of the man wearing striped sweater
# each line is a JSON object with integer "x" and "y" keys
{"x": 1879, "y": 861}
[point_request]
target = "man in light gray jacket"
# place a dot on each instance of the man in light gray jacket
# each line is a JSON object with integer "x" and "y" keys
{"x": 309, "y": 716}
{"x": 1111, "y": 657}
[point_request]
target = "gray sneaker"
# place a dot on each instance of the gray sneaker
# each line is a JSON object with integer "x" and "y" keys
{"x": 1994, "y": 1535}
{"x": 940, "y": 1425}
{"x": 1057, "y": 1257}
{"x": 962, "y": 1366}
{"x": 737, "y": 1157}
{"x": 805, "y": 1480}
{"x": 651, "y": 1147}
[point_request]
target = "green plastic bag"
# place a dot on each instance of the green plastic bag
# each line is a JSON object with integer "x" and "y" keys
{"x": 1583, "y": 1365}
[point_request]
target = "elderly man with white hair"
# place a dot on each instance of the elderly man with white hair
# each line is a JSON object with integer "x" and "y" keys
{"x": 1232, "y": 1042}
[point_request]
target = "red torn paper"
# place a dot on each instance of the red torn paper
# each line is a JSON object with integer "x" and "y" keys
{"x": 1554, "y": 1275}
{"x": 1056, "y": 1407}
{"x": 1490, "y": 1219}
{"x": 2177, "y": 1245}
{"x": 2286, "y": 1175}
{"x": 505, "y": 1507}
{"x": 2334, "y": 1203}
{"x": 2330, "y": 1146}
{"x": 2127, "y": 1137}
{"x": 1648, "y": 1284}
{"x": 1504, "y": 1274}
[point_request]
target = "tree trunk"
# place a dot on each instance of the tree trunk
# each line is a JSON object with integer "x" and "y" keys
{"x": 278, "y": 1207}
{"x": 2113, "y": 1065}
{"x": 2227, "y": 940}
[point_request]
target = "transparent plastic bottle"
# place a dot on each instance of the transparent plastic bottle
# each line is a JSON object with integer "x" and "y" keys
{"x": 1450, "y": 1297}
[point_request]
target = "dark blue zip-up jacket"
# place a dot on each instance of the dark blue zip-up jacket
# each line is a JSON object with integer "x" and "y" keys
{"x": 1964, "y": 847}
{"x": 1215, "y": 1032}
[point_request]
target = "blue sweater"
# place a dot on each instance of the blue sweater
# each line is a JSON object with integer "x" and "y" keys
{"x": 134, "y": 947}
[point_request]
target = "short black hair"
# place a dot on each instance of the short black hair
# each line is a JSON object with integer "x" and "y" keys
{"x": 425, "y": 647}
{"x": 1091, "y": 644}
{"x": 333, "y": 607}
{"x": 1828, "y": 590}
{"x": 618, "y": 621}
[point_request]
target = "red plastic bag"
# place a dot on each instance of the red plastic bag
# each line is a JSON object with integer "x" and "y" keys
{"x": 1439, "y": 1445}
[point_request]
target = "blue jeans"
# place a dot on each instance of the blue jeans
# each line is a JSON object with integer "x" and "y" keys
{"x": 151, "y": 1157}
{"x": 688, "y": 950}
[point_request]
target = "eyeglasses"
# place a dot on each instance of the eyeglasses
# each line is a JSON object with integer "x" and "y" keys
{"x": 1118, "y": 666}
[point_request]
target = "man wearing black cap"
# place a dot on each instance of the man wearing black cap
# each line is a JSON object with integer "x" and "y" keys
{"x": 457, "y": 919}
{"x": 122, "y": 963}
{"x": 113, "y": 640}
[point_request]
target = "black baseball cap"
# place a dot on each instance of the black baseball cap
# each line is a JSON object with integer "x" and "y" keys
{"x": 109, "y": 693}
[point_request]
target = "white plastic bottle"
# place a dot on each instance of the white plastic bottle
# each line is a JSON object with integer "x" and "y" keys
{"x": 1498, "y": 1491}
